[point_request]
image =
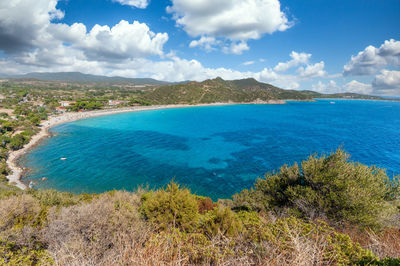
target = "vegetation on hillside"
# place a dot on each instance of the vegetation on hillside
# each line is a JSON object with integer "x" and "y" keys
{"x": 346, "y": 214}
{"x": 219, "y": 90}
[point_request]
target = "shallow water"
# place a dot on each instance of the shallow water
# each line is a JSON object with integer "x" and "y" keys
{"x": 216, "y": 151}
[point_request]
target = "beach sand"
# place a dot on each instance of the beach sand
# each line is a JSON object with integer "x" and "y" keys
{"x": 16, "y": 171}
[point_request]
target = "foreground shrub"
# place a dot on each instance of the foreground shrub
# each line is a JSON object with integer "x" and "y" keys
{"x": 327, "y": 186}
{"x": 173, "y": 207}
{"x": 51, "y": 198}
{"x": 221, "y": 221}
{"x": 312, "y": 243}
{"x": 19, "y": 211}
{"x": 91, "y": 233}
{"x": 12, "y": 254}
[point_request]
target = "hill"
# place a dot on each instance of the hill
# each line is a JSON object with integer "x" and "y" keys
{"x": 80, "y": 77}
{"x": 244, "y": 90}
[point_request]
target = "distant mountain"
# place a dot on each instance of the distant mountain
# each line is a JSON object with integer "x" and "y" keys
{"x": 80, "y": 77}
{"x": 345, "y": 95}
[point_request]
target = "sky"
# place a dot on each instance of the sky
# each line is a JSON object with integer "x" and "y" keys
{"x": 327, "y": 46}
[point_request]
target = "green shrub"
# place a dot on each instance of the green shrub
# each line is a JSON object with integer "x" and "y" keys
{"x": 173, "y": 207}
{"x": 327, "y": 186}
{"x": 13, "y": 254}
{"x": 50, "y": 198}
{"x": 221, "y": 221}
{"x": 18, "y": 141}
{"x": 190, "y": 248}
{"x": 337, "y": 248}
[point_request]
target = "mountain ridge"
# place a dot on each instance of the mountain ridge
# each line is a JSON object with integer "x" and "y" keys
{"x": 81, "y": 77}
{"x": 207, "y": 91}
{"x": 237, "y": 91}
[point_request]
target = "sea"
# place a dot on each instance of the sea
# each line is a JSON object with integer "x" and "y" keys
{"x": 215, "y": 151}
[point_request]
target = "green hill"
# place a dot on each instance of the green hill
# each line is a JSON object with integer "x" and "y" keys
{"x": 238, "y": 91}
{"x": 219, "y": 90}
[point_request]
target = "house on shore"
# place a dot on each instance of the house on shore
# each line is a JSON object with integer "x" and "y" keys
{"x": 116, "y": 102}
{"x": 66, "y": 103}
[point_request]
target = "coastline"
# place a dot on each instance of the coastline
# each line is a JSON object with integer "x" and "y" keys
{"x": 12, "y": 161}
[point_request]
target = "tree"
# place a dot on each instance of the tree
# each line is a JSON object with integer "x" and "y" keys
{"x": 328, "y": 186}
{"x": 17, "y": 142}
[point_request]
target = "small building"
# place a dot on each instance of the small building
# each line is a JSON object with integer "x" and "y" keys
{"x": 66, "y": 103}
{"x": 60, "y": 109}
{"x": 116, "y": 102}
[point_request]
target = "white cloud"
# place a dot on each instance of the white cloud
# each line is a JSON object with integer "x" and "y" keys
{"x": 134, "y": 3}
{"x": 297, "y": 59}
{"x": 248, "y": 63}
{"x": 27, "y": 32}
{"x": 387, "y": 83}
{"x": 235, "y": 20}
{"x": 330, "y": 87}
{"x": 355, "y": 86}
{"x": 372, "y": 59}
{"x": 22, "y": 21}
{"x": 236, "y": 48}
{"x": 105, "y": 43}
{"x": 312, "y": 71}
{"x": 207, "y": 43}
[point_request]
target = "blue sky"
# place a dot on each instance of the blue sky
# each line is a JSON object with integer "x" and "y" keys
{"x": 327, "y": 46}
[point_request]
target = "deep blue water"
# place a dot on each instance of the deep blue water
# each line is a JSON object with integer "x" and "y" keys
{"x": 215, "y": 151}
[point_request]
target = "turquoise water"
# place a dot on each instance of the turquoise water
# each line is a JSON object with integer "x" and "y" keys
{"x": 216, "y": 151}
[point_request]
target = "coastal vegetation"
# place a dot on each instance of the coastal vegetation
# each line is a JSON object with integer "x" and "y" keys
{"x": 326, "y": 210}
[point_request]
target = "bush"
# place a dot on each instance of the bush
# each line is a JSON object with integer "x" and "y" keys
{"x": 327, "y": 186}
{"x": 13, "y": 254}
{"x": 17, "y": 142}
{"x": 221, "y": 221}
{"x": 205, "y": 204}
{"x": 50, "y": 198}
{"x": 18, "y": 211}
{"x": 316, "y": 241}
{"x": 173, "y": 207}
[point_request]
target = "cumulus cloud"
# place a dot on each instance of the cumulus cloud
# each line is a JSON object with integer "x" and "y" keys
{"x": 312, "y": 71}
{"x": 387, "y": 83}
{"x": 207, "y": 43}
{"x": 134, "y": 3}
{"x": 236, "y": 48}
{"x": 22, "y": 21}
{"x": 358, "y": 87}
{"x": 28, "y": 32}
{"x": 297, "y": 59}
{"x": 105, "y": 43}
{"x": 372, "y": 59}
{"x": 330, "y": 87}
{"x": 235, "y": 20}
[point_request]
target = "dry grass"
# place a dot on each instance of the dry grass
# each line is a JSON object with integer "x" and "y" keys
{"x": 110, "y": 231}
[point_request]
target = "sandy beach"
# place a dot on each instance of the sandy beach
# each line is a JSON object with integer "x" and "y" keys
{"x": 16, "y": 171}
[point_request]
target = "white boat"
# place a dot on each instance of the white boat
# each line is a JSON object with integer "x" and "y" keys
{"x": 332, "y": 102}
{"x": 63, "y": 159}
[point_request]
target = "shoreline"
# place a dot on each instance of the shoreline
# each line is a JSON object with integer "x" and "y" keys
{"x": 12, "y": 161}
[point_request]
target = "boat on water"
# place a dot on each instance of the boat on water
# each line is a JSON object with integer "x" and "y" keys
{"x": 63, "y": 159}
